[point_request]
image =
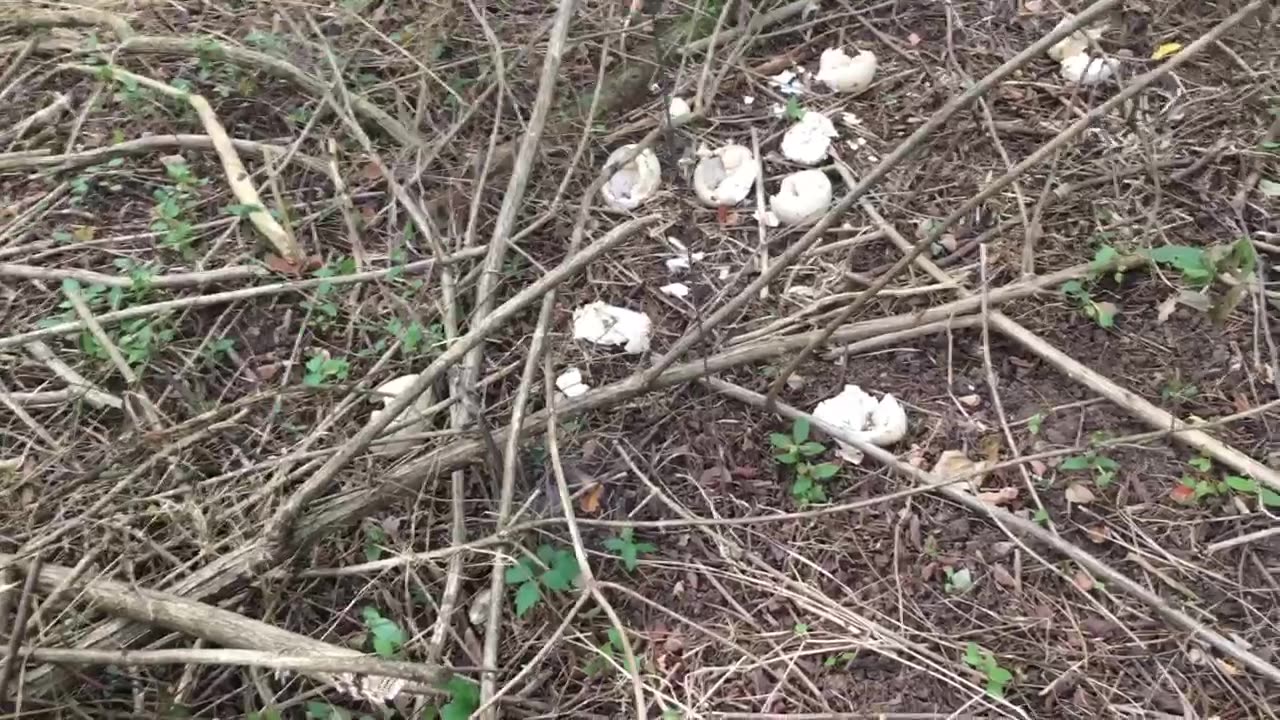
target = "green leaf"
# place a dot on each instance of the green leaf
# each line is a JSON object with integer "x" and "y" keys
{"x": 779, "y": 440}
{"x": 1269, "y": 497}
{"x": 527, "y": 596}
{"x": 1270, "y": 188}
{"x": 1034, "y": 423}
{"x": 1104, "y": 313}
{"x": 800, "y": 430}
{"x": 825, "y": 470}
{"x": 795, "y": 112}
{"x": 1241, "y": 484}
{"x": 1201, "y": 463}
{"x": 973, "y": 655}
{"x": 464, "y": 699}
{"x": 1105, "y": 463}
{"x": 810, "y": 449}
{"x": 802, "y": 486}
{"x": 1076, "y": 462}
{"x": 1074, "y": 288}
{"x": 564, "y": 571}
{"x": 1103, "y": 257}
{"x": 520, "y": 572}
{"x": 787, "y": 458}
{"x": 546, "y": 554}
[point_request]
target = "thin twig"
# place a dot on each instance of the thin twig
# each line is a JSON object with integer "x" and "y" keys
{"x": 579, "y": 550}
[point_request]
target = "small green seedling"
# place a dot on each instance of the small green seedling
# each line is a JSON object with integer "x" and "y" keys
{"x": 985, "y": 663}
{"x": 1200, "y": 267}
{"x": 628, "y": 550}
{"x": 561, "y": 572}
{"x": 374, "y": 540}
{"x": 796, "y": 449}
{"x": 1102, "y": 313}
{"x": 1035, "y": 423}
{"x": 1194, "y": 487}
{"x": 464, "y": 700}
{"x": 958, "y": 581}
{"x": 794, "y": 110}
{"x": 1103, "y": 468}
{"x": 267, "y": 713}
{"x": 322, "y": 369}
{"x": 384, "y": 634}
{"x": 610, "y": 649}
{"x": 845, "y": 657}
{"x": 1177, "y": 392}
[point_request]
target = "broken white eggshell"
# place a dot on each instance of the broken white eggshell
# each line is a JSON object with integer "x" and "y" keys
{"x": 878, "y": 422}
{"x": 846, "y": 74}
{"x": 679, "y": 108}
{"x": 726, "y": 176}
{"x": 605, "y": 324}
{"x": 803, "y": 197}
{"x": 788, "y": 82}
{"x": 678, "y": 290}
{"x": 570, "y": 383}
{"x": 1074, "y": 44}
{"x": 387, "y": 392}
{"x": 808, "y": 140}
{"x": 633, "y": 183}
{"x": 1085, "y": 70}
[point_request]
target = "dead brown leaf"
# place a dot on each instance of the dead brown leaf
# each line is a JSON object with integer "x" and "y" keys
{"x": 954, "y": 463}
{"x": 1003, "y": 577}
{"x": 1079, "y": 494}
{"x": 1083, "y": 580}
{"x": 913, "y": 39}
{"x": 277, "y": 264}
{"x": 714, "y": 476}
{"x": 1003, "y": 496}
{"x": 370, "y": 171}
{"x": 589, "y": 501}
{"x": 1097, "y": 534}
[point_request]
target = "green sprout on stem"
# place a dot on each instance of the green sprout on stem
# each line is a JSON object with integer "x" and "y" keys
{"x": 796, "y": 449}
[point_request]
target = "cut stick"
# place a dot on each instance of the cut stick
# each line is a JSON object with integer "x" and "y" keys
{"x": 237, "y": 177}
{"x": 217, "y": 626}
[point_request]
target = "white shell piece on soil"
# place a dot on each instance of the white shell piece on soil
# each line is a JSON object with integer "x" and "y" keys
{"x": 633, "y": 183}
{"x": 787, "y": 82}
{"x": 808, "y": 140}
{"x": 679, "y": 108}
{"x": 675, "y": 290}
{"x": 606, "y": 324}
{"x": 1074, "y": 44}
{"x": 726, "y": 176}
{"x": 387, "y": 392}
{"x": 570, "y": 383}
{"x": 803, "y": 197}
{"x": 847, "y": 74}
{"x": 878, "y": 422}
{"x": 683, "y": 261}
{"x": 1084, "y": 70}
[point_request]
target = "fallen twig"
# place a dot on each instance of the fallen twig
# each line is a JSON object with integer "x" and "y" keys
{"x": 237, "y": 177}
{"x": 143, "y": 146}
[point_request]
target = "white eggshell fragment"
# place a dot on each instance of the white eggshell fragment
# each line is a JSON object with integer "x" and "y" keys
{"x": 679, "y": 108}
{"x": 570, "y": 383}
{"x": 633, "y": 183}
{"x": 846, "y": 74}
{"x": 678, "y": 290}
{"x": 605, "y": 324}
{"x": 809, "y": 139}
{"x": 802, "y": 198}
{"x": 1084, "y": 70}
{"x": 387, "y": 392}
{"x": 878, "y": 422}
{"x": 1074, "y": 44}
{"x": 726, "y": 176}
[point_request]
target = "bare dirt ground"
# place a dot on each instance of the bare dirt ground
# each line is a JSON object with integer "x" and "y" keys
{"x": 193, "y": 522}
